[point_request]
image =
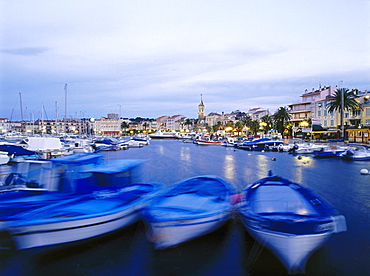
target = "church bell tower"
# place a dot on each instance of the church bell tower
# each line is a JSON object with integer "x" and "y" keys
{"x": 201, "y": 114}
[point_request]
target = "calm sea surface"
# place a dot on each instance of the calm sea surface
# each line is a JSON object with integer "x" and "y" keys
{"x": 229, "y": 250}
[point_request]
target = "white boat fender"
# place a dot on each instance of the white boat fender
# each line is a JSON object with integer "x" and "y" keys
{"x": 364, "y": 171}
{"x": 273, "y": 159}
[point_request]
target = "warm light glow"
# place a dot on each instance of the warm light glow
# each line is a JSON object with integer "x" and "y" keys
{"x": 228, "y": 129}
{"x": 304, "y": 124}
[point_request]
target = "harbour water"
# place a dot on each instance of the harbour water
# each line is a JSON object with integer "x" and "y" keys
{"x": 229, "y": 250}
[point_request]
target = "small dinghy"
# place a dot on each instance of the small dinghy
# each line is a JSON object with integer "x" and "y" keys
{"x": 187, "y": 210}
{"x": 289, "y": 219}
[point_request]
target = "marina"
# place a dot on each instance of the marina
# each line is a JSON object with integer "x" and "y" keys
{"x": 229, "y": 250}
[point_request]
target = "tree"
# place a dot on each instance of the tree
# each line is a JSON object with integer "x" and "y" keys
{"x": 349, "y": 103}
{"x": 145, "y": 125}
{"x": 124, "y": 125}
{"x": 239, "y": 125}
{"x": 254, "y": 126}
{"x": 281, "y": 119}
{"x": 267, "y": 119}
{"x": 188, "y": 122}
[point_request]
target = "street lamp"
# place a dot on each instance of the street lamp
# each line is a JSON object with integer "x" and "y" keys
{"x": 304, "y": 124}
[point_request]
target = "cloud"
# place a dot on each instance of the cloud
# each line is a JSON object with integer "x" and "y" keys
{"x": 27, "y": 51}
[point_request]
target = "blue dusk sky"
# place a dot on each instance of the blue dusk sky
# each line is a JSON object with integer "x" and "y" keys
{"x": 153, "y": 58}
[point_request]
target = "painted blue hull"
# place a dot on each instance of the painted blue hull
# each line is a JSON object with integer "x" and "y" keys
{"x": 289, "y": 219}
{"x": 78, "y": 218}
{"x": 188, "y": 210}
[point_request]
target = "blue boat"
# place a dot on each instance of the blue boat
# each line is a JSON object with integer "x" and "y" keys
{"x": 330, "y": 151}
{"x": 36, "y": 183}
{"x": 107, "y": 197}
{"x": 289, "y": 219}
{"x": 78, "y": 218}
{"x": 187, "y": 210}
{"x": 260, "y": 144}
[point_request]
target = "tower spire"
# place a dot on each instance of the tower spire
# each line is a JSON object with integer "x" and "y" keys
{"x": 201, "y": 113}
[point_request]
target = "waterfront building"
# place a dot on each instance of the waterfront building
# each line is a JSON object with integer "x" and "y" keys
{"x": 4, "y": 125}
{"x": 257, "y": 113}
{"x": 306, "y": 108}
{"x": 322, "y": 115}
{"x": 365, "y": 109}
{"x": 213, "y": 118}
{"x": 107, "y": 126}
{"x": 175, "y": 122}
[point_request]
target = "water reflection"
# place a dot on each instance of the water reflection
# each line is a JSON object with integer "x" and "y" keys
{"x": 229, "y": 167}
{"x": 185, "y": 154}
{"x": 263, "y": 166}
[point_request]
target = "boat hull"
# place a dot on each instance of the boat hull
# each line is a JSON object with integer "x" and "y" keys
{"x": 289, "y": 219}
{"x": 292, "y": 250}
{"x": 208, "y": 143}
{"x": 64, "y": 232}
{"x": 171, "y": 233}
{"x": 187, "y": 210}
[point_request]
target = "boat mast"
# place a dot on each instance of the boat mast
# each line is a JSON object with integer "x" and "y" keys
{"x": 65, "y": 107}
{"x": 20, "y": 102}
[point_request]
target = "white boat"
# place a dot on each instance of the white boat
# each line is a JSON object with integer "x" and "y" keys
{"x": 306, "y": 148}
{"x": 228, "y": 142}
{"x": 187, "y": 210}
{"x": 207, "y": 141}
{"x": 162, "y": 135}
{"x": 330, "y": 151}
{"x": 289, "y": 219}
{"x": 79, "y": 145}
{"x": 357, "y": 152}
{"x": 14, "y": 136}
{"x": 132, "y": 143}
{"x": 46, "y": 147}
{"x": 4, "y": 158}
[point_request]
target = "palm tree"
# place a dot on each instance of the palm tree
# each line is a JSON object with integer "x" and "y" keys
{"x": 124, "y": 126}
{"x": 281, "y": 119}
{"x": 188, "y": 122}
{"x": 239, "y": 125}
{"x": 254, "y": 126}
{"x": 267, "y": 119}
{"x": 343, "y": 100}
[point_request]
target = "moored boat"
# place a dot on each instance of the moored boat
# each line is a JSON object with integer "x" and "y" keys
{"x": 162, "y": 135}
{"x": 289, "y": 219}
{"x": 4, "y": 158}
{"x": 330, "y": 151}
{"x": 78, "y": 218}
{"x": 207, "y": 141}
{"x": 356, "y": 152}
{"x": 189, "y": 209}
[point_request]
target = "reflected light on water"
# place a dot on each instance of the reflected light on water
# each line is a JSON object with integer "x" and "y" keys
{"x": 263, "y": 162}
{"x": 301, "y": 162}
{"x": 229, "y": 167}
{"x": 185, "y": 154}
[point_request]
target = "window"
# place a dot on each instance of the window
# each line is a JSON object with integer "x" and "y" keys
{"x": 367, "y": 112}
{"x": 325, "y": 123}
{"x": 331, "y": 122}
{"x": 325, "y": 112}
{"x": 319, "y": 104}
{"x": 319, "y": 113}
